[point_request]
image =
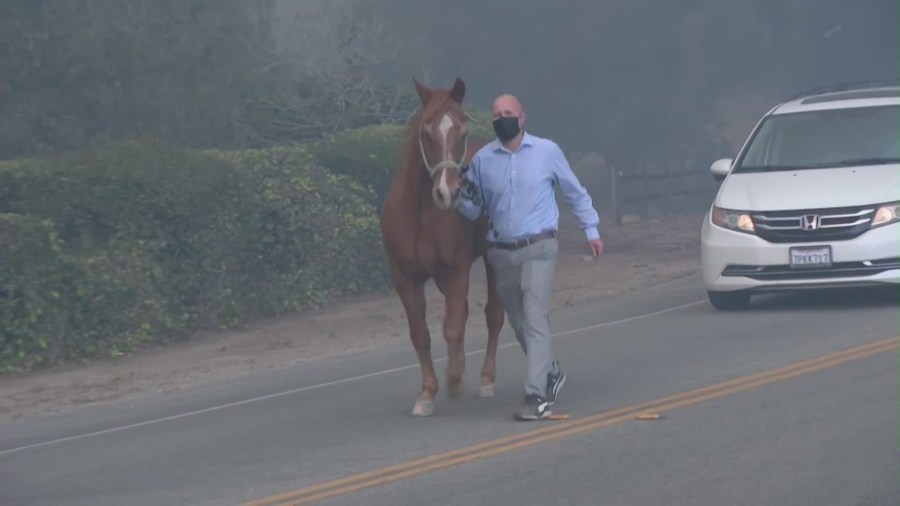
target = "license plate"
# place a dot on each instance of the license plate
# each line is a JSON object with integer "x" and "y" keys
{"x": 815, "y": 256}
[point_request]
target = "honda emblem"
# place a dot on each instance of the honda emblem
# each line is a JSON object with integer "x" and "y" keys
{"x": 809, "y": 222}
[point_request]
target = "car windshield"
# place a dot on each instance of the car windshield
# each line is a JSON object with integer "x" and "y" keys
{"x": 822, "y": 139}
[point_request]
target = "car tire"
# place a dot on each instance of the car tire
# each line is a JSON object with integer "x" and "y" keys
{"x": 729, "y": 301}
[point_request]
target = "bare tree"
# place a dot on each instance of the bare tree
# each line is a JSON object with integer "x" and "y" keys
{"x": 321, "y": 59}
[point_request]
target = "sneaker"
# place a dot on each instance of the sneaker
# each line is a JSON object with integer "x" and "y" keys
{"x": 555, "y": 381}
{"x": 534, "y": 408}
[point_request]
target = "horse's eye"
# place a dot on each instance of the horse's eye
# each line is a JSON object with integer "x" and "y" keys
{"x": 464, "y": 169}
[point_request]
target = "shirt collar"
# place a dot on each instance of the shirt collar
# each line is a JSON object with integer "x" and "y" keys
{"x": 527, "y": 140}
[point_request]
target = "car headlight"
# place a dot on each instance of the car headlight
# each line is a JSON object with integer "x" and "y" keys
{"x": 733, "y": 220}
{"x": 886, "y": 214}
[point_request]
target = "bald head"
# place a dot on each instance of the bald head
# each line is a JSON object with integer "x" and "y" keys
{"x": 506, "y": 105}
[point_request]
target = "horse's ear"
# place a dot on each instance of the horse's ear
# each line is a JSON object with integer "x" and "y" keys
{"x": 424, "y": 91}
{"x": 459, "y": 90}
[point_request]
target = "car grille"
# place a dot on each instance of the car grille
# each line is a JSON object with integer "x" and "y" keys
{"x": 813, "y": 225}
{"x": 834, "y": 271}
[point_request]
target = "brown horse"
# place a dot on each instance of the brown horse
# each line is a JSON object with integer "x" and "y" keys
{"x": 426, "y": 238}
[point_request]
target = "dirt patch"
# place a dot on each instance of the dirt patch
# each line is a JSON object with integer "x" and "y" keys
{"x": 637, "y": 255}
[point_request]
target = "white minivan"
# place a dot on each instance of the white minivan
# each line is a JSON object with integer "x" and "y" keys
{"x": 811, "y": 201}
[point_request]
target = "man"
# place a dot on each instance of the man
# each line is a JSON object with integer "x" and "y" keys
{"x": 515, "y": 177}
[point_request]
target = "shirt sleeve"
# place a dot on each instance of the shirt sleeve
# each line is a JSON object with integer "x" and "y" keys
{"x": 469, "y": 203}
{"x": 575, "y": 194}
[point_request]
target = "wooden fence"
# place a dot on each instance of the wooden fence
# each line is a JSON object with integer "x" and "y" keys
{"x": 667, "y": 190}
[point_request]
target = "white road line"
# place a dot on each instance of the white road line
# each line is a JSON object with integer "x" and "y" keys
{"x": 326, "y": 384}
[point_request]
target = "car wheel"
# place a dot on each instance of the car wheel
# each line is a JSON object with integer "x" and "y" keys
{"x": 729, "y": 301}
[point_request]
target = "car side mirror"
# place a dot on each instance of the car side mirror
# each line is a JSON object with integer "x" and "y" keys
{"x": 720, "y": 168}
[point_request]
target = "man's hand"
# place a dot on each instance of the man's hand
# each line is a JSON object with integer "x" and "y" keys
{"x": 596, "y": 247}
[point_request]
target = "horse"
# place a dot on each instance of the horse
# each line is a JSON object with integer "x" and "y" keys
{"x": 426, "y": 238}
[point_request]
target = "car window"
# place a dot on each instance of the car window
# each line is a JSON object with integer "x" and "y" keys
{"x": 829, "y": 138}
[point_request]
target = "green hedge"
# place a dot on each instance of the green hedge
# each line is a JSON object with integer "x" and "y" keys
{"x": 140, "y": 241}
{"x": 318, "y": 236}
{"x": 56, "y": 305}
{"x": 370, "y": 155}
{"x": 109, "y": 248}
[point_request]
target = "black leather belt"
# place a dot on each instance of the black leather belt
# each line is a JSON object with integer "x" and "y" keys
{"x": 525, "y": 241}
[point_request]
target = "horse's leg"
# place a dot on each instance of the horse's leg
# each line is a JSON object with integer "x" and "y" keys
{"x": 494, "y": 314}
{"x": 412, "y": 294}
{"x": 454, "y": 284}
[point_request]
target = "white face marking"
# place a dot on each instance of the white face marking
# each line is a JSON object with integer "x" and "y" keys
{"x": 444, "y": 128}
{"x": 443, "y": 189}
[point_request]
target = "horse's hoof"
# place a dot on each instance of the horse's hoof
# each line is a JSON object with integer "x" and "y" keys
{"x": 456, "y": 390}
{"x": 423, "y": 408}
{"x": 486, "y": 390}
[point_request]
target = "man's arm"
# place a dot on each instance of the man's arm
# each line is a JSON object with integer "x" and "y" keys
{"x": 469, "y": 203}
{"x": 575, "y": 194}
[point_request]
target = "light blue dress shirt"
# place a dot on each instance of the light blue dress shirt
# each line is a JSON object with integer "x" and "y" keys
{"x": 517, "y": 190}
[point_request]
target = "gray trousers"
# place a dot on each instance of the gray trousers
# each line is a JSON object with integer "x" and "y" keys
{"x": 525, "y": 282}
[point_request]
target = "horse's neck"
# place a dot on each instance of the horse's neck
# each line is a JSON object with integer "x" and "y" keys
{"x": 418, "y": 183}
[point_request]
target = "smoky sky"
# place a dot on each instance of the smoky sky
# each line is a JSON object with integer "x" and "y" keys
{"x": 625, "y": 75}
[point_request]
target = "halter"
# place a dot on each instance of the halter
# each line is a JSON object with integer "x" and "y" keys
{"x": 444, "y": 164}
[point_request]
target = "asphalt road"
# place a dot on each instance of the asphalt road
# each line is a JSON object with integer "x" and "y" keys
{"x": 741, "y": 423}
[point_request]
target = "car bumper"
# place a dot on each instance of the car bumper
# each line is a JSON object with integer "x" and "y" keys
{"x": 734, "y": 261}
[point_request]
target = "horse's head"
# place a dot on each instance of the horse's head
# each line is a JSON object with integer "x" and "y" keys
{"x": 443, "y": 139}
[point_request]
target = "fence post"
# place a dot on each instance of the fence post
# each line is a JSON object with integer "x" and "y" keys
{"x": 670, "y": 179}
{"x": 614, "y": 194}
{"x": 644, "y": 205}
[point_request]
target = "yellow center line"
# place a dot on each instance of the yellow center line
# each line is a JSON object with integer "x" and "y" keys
{"x": 555, "y": 431}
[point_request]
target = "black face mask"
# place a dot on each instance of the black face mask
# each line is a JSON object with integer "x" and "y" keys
{"x": 506, "y": 127}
